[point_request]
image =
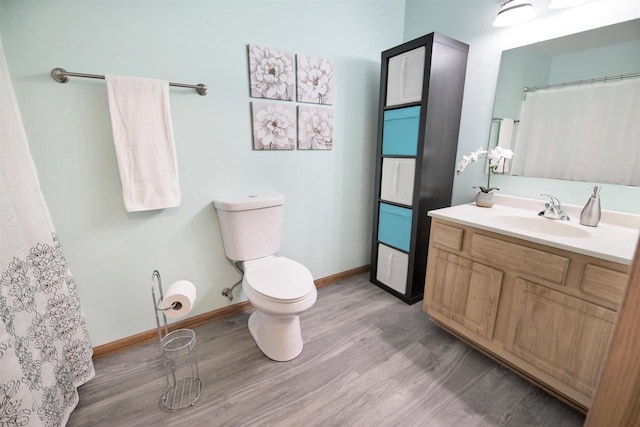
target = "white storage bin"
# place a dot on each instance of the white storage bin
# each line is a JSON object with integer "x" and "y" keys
{"x": 392, "y": 268}
{"x": 397, "y": 180}
{"x": 404, "y": 77}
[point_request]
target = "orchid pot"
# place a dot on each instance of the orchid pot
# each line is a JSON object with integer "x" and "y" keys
{"x": 497, "y": 156}
{"x": 485, "y": 200}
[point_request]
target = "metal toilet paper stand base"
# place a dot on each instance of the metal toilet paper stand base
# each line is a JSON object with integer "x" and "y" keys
{"x": 178, "y": 349}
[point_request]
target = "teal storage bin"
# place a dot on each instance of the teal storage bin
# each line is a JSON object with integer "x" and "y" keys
{"x": 394, "y": 226}
{"x": 400, "y": 131}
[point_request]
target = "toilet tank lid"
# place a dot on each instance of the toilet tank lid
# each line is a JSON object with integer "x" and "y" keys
{"x": 249, "y": 201}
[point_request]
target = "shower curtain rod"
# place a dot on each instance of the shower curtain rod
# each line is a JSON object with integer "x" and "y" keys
{"x": 62, "y": 76}
{"x": 579, "y": 82}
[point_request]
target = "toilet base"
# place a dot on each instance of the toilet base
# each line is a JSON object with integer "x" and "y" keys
{"x": 278, "y": 337}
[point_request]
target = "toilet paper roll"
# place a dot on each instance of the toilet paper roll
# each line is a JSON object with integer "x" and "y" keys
{"x": 183, "y": 293}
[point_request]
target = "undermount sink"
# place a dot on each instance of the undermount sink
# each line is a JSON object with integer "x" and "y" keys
{"x": 542, "y": 225}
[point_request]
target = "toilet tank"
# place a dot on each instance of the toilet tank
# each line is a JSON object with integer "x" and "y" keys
{"x": 251, "y": 225}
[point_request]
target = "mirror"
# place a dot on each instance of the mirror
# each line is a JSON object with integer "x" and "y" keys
{"x": 580, "y": 107}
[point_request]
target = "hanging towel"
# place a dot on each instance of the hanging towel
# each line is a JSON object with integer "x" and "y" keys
{"x": 505, "y": 137}
{"x": 143, "y": 138}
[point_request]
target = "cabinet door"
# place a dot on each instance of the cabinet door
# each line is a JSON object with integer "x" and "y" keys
{"x": 397, "y": 180}
{"x": 562, "y": 335}
{"x": 466, "y": 292}
{"x": 392, "y": 268}
{"x": 405, "y": 75}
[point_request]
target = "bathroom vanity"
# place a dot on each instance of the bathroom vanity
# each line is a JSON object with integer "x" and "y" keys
{"x": 539, "y": 296}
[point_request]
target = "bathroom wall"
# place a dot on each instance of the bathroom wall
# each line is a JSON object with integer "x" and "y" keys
{"x": 471, "y": 22}
{"x": 111, "y": 253}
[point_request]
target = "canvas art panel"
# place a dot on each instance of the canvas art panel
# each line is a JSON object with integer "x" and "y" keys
{"x": 274, "y": 126}
{"x": 315, "y": 128}
{"x": 315, "y": 80}
{"x": 271, "y": 73}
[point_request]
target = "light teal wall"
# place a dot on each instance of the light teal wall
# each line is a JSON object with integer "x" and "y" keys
{"x": 111, "y": 253}
{"x": 614, "y": 60}
{"x": 471, "y": 22}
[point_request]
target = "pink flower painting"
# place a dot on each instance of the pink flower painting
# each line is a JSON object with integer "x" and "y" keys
{"x": 315, "y": 128}
{"x": 315, "y": 80}
{"x": 271, "y": 73}
{"x": 274, "y": 126}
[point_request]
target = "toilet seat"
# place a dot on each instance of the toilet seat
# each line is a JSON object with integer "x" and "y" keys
{"x": 279, "y": 279}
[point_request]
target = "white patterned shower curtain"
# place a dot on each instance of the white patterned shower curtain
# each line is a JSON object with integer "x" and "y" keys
{"x": 45, "y": 350}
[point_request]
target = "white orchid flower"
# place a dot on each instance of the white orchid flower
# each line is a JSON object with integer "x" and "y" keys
{"x": 471, "y": 158}
{"x": 495, "y": 157}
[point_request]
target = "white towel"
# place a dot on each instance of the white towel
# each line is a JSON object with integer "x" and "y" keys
{"x": 143, "y": 137}
{"x": 505, "y": 137}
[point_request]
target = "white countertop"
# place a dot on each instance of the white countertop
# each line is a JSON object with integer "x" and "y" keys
{"x": 614, "y": 239}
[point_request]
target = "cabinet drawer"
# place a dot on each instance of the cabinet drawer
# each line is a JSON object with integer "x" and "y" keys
{"x": 534, "y": 262}
{"x": 404, "y": 77}
{"x": 392, "y": 268}
{"x": 400, "y": 131}
{"x": 397, "y": 180}
{"x": 446, "y": 237}
{"x": 394, "y": 226}
{"x": 604, "y": 283}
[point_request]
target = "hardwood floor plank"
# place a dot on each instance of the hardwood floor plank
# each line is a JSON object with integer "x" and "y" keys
{"x": 369, "y": 359}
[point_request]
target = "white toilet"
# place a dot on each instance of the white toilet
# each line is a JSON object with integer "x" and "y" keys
{"x": 279, "y": 288}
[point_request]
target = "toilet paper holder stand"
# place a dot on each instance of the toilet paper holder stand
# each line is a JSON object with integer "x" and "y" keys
{"x": 178, "y": 349}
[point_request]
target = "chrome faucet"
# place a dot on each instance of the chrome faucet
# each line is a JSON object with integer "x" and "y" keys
{"x": 553, "y": 209}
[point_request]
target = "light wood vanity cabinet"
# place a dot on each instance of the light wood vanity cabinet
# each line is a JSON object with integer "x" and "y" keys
{"x": 546, "y": 313}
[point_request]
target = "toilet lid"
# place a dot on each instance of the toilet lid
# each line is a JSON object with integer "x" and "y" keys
{"x": 280, "y": 278}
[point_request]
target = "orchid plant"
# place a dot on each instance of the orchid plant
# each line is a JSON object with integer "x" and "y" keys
{"x": 496, "y": 157}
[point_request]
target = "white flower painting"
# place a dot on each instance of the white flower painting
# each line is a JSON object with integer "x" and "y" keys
{"x": 271, "y": 73}
{"x": 315, "y": 80}
{"x": 315, "y": 128}
{"x": 274, "y": 126}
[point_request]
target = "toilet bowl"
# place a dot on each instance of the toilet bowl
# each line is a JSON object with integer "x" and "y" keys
{"x": 279, "y": 289}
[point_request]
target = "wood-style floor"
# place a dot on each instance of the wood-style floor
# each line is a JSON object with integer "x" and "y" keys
{"x": 369, "y": 360}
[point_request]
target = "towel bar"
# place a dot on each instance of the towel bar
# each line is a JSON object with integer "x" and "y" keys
{"x": 62, "y": 76}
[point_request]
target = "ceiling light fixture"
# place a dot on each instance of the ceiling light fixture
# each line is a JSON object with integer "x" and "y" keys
{"x": 514, "y": 12}
{"x": 561, "y": 4}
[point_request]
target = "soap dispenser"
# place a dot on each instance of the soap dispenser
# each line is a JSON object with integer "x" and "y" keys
{"x": 590, "y": 215}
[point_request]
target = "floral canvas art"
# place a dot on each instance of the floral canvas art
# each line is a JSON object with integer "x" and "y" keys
{"x": 315, "y": 80}
{"x": 271, "y": 73}
{"x": 315, "y": 128}
{"x": 274, "y": 126}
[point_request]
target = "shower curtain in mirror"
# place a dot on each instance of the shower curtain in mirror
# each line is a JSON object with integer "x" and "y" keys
{"x": 45, "y": 351}
{"x": 587, "y": 133}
